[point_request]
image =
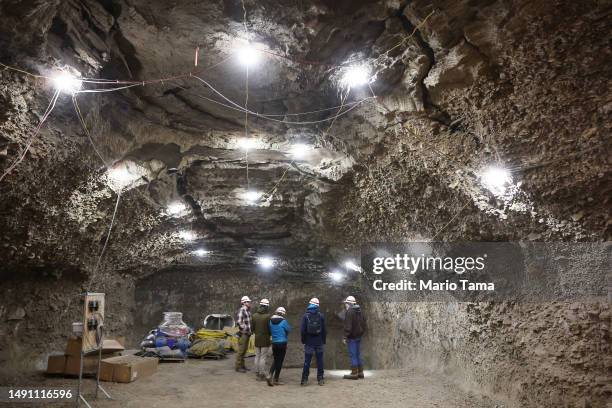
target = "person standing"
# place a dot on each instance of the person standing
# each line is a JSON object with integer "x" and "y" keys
{"x": 354, "y": 329}
{"x": 280, "y": 330}
{"x": 314, "y": 334}
{"x": 245, "y": 331}
{"x": 261, "y": 330}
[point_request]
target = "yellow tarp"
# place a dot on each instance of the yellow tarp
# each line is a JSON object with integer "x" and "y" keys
{"x": 228, "y": 333}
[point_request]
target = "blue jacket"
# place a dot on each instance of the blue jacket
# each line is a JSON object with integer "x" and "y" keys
{"x": 279, "y": 328}
{"x": 313, "y": 339}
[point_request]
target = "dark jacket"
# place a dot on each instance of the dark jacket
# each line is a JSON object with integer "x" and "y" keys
{"x": 354, "y": 323}
{"x": 313, "y": 339}
{"x": 260, "y": 327}
{"x": 280, "y": 329}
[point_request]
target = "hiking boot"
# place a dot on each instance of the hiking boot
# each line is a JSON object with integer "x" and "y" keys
{"x": 321, "y": 381}
{"x": 353, "y": 375}
{"x": 240, "y": 370}
{"x": 269, "y": 380}
{"x": 276, "y": 382}
{"x": 360, "y": 372}
{"x": 304, "y": 381}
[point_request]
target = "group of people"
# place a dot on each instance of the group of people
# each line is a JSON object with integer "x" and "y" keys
{"x": 272, "y": 330}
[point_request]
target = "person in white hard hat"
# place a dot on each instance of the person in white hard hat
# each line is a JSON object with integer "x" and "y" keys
{"x": 280, "y": 336}
{"x": 354, "y": 328}
{"x": 314, "y": 334}
{"x": 261, "y": 330}
{"x": 245, "y": 330}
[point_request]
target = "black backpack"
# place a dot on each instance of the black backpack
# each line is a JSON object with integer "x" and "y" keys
{"x": 313, "y": 323}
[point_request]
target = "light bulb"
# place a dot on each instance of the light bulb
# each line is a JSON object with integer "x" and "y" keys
{"x": 251, "y": 196}
{"x": 496, "y": 179}
{"x": 266, "y": 262}
{"x": 336, "y": 276}
{"x": 201, "y": 252}
{"x": 176, "y": 208}
{"x": 66, "y": 82}
{"x": 247, "y": 54}
{"x": 247, "y": 144}
{"x": 187, "y": 235}
{"x": 299, "y": 150}
{"x": 356, "y": 75}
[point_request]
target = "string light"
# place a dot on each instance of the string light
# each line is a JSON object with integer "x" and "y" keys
{"x": 247, "y": 143}
{"x": 251, "y": 196}
{"x": 355, "y": 75}
{"x": 352, "y": 266}
{"x": 176, "y": 208}
{"x": 336, "y": 276}
{"x": 266, "y": 262}
{"x": 120, "y": 177}
{"x": 201, "y": 252}
{"x": 299, "y": 150}
{"x": 187, "y": 235}
{"x": 66, "y": 82}
{"x": 248, "y": 54}
{"x": 496, "y": 179}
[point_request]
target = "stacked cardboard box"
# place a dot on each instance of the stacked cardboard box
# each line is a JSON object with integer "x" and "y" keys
{"x": 126, "y": 369}
{"x": 69, "y": 362}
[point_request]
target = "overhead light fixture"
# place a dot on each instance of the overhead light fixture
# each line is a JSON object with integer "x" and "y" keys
{"x": 187, "y": 235}
{"x": 266, "y": 262}
{"x": 299, "y": 150}
{"x": 248, "y": 53}
{"x": 355, "y": 75}
{"x": 336, "y": 276}
{"x": 119, "y": 176}
{"x": 176, "y": 208}
{"x": 251, "y": 196}
{"x": 247, "y": 143}
{"x": 66, "y": 82}
{"x": 201, "y": 252}
{"x": 352, "y": 266}
{"x": 496, "y": 179}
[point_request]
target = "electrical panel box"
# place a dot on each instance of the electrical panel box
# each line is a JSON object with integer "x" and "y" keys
{"x": 93, "y": 319}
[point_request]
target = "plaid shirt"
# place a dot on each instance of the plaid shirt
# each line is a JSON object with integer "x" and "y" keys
{"x": 244, "y": 321}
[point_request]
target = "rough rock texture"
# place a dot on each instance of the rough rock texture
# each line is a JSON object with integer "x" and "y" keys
{"x": 460, "y": 85}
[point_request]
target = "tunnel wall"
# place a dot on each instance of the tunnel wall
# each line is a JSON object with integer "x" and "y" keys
{"x": 532, "y": 355}
{"x": 199, "y": 293}
{"x": 37, "y": 311}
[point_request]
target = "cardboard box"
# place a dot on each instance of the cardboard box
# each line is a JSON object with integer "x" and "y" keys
{"x": 56, "y": 364}
{"x": 125, "y": 369}
{"x": 73, "y": 347}
{"x": 90, "y": 365}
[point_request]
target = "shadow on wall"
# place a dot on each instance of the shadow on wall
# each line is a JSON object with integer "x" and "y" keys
{"x": 199, "y": 293}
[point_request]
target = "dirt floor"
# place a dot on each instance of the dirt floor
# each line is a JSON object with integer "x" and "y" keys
{"x": 198, "y": 383}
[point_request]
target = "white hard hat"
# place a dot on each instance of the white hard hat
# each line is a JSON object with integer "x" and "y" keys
{"x": 281, "y": 310}
{"x": 245, "y": 299}
{"x": 350, "y": 299}
{"x": 314, "y": 301}
{"x": 264, "y": 302}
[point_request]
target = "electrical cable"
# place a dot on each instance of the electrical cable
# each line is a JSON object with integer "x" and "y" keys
{"x": 33, "y": 136}
{"x": 110, "y": 228}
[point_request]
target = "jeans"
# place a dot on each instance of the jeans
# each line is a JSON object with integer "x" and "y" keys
{"x": 260, "y": 359}
{"x": 278, "y": 351}
{"x": 354, "y": 349}
{"x": 243, "y": 345}
{"x": 308, "y": 352}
